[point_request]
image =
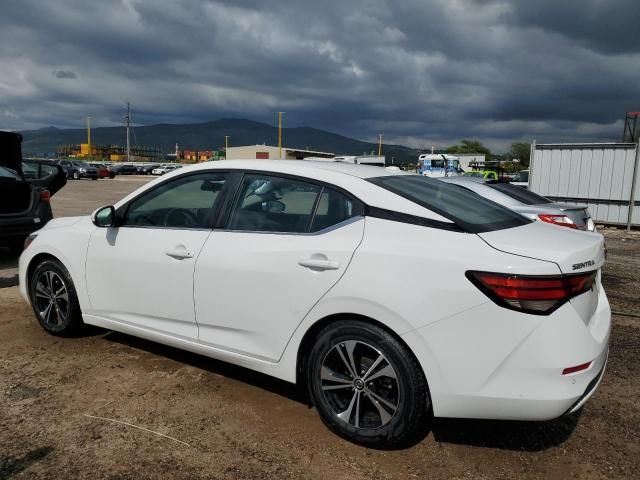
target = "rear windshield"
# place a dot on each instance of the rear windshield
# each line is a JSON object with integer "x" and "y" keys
{"x": 8, "y": 173}
{"x": 520, "y": 194}
{"x": 469, "y": 211}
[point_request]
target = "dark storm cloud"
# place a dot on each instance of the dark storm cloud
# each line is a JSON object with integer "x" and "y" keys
{"x": 420, "y": 71}
{"x": 64, "y": 74}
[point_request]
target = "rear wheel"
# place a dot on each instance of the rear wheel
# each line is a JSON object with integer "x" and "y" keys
{"x": 366, "y": 385}
{"x": 53, "y": 298}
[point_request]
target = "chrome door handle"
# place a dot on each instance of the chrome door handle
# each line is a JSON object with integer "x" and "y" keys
{"x": 319, "y": 264}
{"x": 179, "y": 253}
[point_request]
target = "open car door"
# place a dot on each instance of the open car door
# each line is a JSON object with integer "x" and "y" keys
{"x": 44, "y": 174}
{"x": 39, "y": 173}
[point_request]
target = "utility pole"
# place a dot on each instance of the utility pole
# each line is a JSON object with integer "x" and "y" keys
{"x": 88, "y": 136}
{"x": 280, "y": 135}
{"x": 380, "y": 144}
{"x": 226, "y": 145}
{"x": 127, "y": 119}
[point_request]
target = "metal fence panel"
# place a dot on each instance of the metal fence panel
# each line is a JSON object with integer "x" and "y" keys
{"x": 597, "y": 174}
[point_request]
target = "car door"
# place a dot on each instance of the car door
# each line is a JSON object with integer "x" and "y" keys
{"x": 141, "y": 272}
{"x": 285, "y": 244}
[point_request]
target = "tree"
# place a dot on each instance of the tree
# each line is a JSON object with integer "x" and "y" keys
{"x": 521, "y": 151}
{"x": 470, "y": 146}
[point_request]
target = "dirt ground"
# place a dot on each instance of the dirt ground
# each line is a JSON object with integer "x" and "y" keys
{"x": 62, "y": 402}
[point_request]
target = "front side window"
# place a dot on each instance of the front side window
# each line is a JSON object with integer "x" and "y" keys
{"x": 274, "y": 204}
{"x": 464, "y": 208}
{"x": 182, "y": 203}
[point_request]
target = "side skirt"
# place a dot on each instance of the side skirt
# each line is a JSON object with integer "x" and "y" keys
{"x": 268, "y": 368}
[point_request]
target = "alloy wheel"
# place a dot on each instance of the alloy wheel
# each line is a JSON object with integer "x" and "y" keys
{"x": 51, "y": 299}
{"x": 360, "y": 384}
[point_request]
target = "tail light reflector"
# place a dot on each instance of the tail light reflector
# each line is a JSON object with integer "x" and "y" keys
{"x": 577, "y": 368}
{"x": 45, "y": 195}
{"x": 538, "y": 295}
{"x": 560, "y": 220}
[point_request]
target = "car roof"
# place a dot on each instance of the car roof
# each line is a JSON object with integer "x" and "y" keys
{"x": 302, "y": 167}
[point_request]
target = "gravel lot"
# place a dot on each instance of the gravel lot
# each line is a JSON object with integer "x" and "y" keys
{"x": 62, "y": 401}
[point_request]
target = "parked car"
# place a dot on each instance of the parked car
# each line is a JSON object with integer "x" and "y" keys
{"x": 24, "y": 199}
{"x": 521, "y": 179}
{"x": 147, "y": 169}
{"x": 300, "y": 270}
{"x": 124, "y": 169}
{"x": 103, "y": 170}
{"x": 484, "y": 174}
{"x": 161, "y": 170}
{"x": 77, "y": 169}
{"x": 528, "y": 203}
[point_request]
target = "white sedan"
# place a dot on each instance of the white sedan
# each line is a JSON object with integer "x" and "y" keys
{"x": 391, "y": 296}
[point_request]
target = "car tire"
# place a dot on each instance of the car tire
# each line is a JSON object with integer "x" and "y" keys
{"x": 387, "y": 402}
{"x": 53, "y": 298}
{"x": 76, "y": 176}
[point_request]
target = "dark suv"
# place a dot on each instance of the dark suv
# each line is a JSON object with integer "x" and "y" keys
{"x": 25, "y": 190}
{"x": 77, "y": 169}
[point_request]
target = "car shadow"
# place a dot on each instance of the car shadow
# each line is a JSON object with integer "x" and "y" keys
{"x": 503, "y": 435}
{"x": 10, "y": 466}
{"x": 8, "y": 268}
{"x": 506, "y": 435}
{"x": 235, "y": 372}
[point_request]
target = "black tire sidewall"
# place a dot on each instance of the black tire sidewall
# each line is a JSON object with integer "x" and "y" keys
{"x": 414, "y": 398}
{"x": 73, "y": 320}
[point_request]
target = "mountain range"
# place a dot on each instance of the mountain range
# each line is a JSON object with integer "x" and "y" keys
{"x": 210, "y": 136}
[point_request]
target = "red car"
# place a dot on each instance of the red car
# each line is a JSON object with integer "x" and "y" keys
{"x": 103, "y": 170}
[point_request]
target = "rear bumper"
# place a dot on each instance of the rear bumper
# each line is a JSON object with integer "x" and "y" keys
{"x": 491, "y": 363}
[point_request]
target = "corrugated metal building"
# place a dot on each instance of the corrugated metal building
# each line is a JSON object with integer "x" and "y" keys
{"x": 605, "y": 176}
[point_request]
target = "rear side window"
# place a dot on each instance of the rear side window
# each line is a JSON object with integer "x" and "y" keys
{"x": 277, "y": 204}
{"x": 469, "y": 211}
{"x": 274, "y": 204}
{"x": 520, "y": 194}
{"x": 6, "y": 173}
{"x": 333, "y": 208}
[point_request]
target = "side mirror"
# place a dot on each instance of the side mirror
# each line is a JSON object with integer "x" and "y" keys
{"x": 104, "y": 217}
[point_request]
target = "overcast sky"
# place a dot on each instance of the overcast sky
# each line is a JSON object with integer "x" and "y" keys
{"x": 422, "y": 72}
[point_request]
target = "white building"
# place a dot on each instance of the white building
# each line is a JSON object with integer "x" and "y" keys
{"x": 268, "y": 152}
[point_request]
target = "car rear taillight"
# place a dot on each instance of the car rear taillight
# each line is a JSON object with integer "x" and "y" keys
{"x": 45, "y": 195}
{"x": 560, "y": 220}
{"x": 538, "y": 295}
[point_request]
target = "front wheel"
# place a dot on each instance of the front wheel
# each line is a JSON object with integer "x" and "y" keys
{"x": 367, "y": 386}
{"x": 53, "y": 298}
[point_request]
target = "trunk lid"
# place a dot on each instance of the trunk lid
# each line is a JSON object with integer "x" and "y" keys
{"x": 573, "y": 251}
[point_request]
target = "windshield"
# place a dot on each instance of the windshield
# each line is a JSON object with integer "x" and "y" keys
{"x": 466, "y": 209}
{"x": 520, "y": 194}
{"x": 80, "y": 164}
